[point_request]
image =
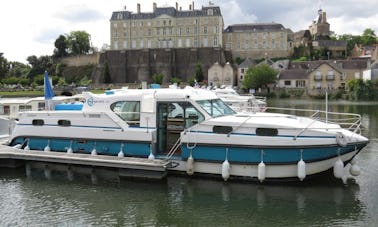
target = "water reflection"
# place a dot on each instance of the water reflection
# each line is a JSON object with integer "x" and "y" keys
{"x": 73, "y": 195}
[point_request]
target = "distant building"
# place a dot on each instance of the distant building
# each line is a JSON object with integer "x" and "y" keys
{"x": 219, "y": 75}
{"x": 257, "y": 41}
{"x": 372, "y": 72}
{"x": 292, "y": 78}
{"x": 242, "y": 70}
{"x": 166, "y": 27}
{"x": 320, "y": 33}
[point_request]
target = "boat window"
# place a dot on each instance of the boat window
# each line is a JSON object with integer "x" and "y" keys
{"x": 129, "y": 111}
{"x": 266, "y": 131}
{"x": 222, "y": 129}
{"x": 185, "y": 111}
{"x": 38, "y": 122}
{"x": 64, "y": 123}
{"x": 216, "y": 107}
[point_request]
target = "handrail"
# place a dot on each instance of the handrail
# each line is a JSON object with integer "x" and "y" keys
{"x": 349, "y": 121}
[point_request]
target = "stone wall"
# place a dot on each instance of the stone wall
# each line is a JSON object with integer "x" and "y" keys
{"x": 129, "y": 66}
{"x": 80, "y": 60}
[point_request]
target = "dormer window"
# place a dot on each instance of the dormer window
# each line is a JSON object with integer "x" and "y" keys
{"x": 210, "y": 12}
{"x": 119, "y": 16}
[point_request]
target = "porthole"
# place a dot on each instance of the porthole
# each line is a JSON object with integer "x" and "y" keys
{"x": 38, "y": 122}
{"x": 64, "y": 123}
{"x": 266, "y": 131}
{"x": 222, "y": 129}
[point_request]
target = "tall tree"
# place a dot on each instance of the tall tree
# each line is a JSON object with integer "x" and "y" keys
{"x": 79, "y": 42}
{"x": 260, "y": 76}
{"x": 4, "y": 66}
{"x": 368, "y": 37}
{"x": 61, "y": 46}
{"x": 198, "y": 73}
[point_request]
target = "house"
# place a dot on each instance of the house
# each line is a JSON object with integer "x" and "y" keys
{"x": 219, "y": 75}
{"x": 242, "y": 69}
{"x": 325, "y": 77}
{"x": 292, "y": 78}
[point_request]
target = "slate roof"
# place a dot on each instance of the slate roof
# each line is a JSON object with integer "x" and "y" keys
{"x": 293, "y": 74}
{"x": 259, "y": 27}
{"x": 247, "y": 63}
{"x": 170, "y": 11}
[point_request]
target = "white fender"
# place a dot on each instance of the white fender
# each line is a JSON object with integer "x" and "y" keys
{"x": 94, "y": 152}
{"x": 121, "y": 154}
{"x": 225, "y": 170}
{"x": 341, "y": 140}
{"x": 47, "y": 148}
{"x": 355, "y": 170}
{"x": 261, "y": 171}
{"x": 338, "y": 168}
{"x": 190, "y": 166}
{"x": 301, "y": 167}
{"x": 151, "y": 156}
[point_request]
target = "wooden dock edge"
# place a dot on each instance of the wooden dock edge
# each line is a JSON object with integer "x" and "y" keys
{"x": 128, "y": 166}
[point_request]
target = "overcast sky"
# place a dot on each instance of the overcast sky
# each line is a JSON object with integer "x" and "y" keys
{"x": 31, "y": 27}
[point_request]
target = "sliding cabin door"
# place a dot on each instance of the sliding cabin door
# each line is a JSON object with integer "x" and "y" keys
{"x": 172, "y": 119}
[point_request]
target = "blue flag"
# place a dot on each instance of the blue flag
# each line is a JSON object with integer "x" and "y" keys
{"x": 49, "y": 93}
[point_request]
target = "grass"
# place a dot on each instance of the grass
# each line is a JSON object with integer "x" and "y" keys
{"x": 10, "y": 94}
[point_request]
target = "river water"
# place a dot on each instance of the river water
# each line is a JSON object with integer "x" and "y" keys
{"x": 58, "y": 195}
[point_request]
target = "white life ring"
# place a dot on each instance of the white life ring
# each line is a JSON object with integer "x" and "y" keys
{"x": 341, "y": 139}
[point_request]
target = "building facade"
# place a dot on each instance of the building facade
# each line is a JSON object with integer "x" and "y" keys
{"x": 166, "y": 27}
{"x": 219, "y": 75}
{"x": 257, "y": 41}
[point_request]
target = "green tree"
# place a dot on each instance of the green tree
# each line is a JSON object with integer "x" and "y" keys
{"x": 198, "y": 73}
{"x": 79, "y": 42}
{"x": 4, "y": 66}
{"x": 61, "y": 46}
{"x": 260, "y": 76}
{"x": 368, "y": 37}
{"x": 107, "y": 77}
{"x": 40, "y": 65}
{"x": 352, "y": 40}
{"x": 362, "y": 90}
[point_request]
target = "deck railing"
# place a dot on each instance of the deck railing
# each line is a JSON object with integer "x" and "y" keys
{"x": 348, "y": 121}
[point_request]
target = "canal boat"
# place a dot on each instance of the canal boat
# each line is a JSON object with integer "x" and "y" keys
{"x": 198, "y": 133}
{"x": 241, "y": 103}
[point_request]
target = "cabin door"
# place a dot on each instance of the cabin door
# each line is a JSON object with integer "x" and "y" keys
{"x": 170, "y": 123}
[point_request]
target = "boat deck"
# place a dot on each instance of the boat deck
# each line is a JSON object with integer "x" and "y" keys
{"x": 128, "y": 166}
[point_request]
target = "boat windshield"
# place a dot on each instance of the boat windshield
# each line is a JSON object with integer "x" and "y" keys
{"x": 216, "y": 107}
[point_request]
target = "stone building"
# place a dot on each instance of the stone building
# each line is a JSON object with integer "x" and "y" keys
{"x": 219, "y": 75}
{"x": 166, "y": 27}
{"x": 320, "y": 33}
{"x": 242, "y": 69}
{"x": 257, "y": 40}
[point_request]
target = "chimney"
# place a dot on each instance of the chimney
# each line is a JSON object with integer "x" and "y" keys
{"x": 176, "y": 6}
{"x": 180, "y": 8}
{"x": 193, "y": 5}
{"x": 190, "y": 7}
{"x": 154, "y": 6}
{"x": 324, "y": 17}
{"x": 138, "y": 8}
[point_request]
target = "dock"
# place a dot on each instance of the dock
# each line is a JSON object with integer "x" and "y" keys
{"x": 128, "y": 166}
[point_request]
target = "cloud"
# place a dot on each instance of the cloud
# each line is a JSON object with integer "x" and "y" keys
{"x": 80, "y": 14}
